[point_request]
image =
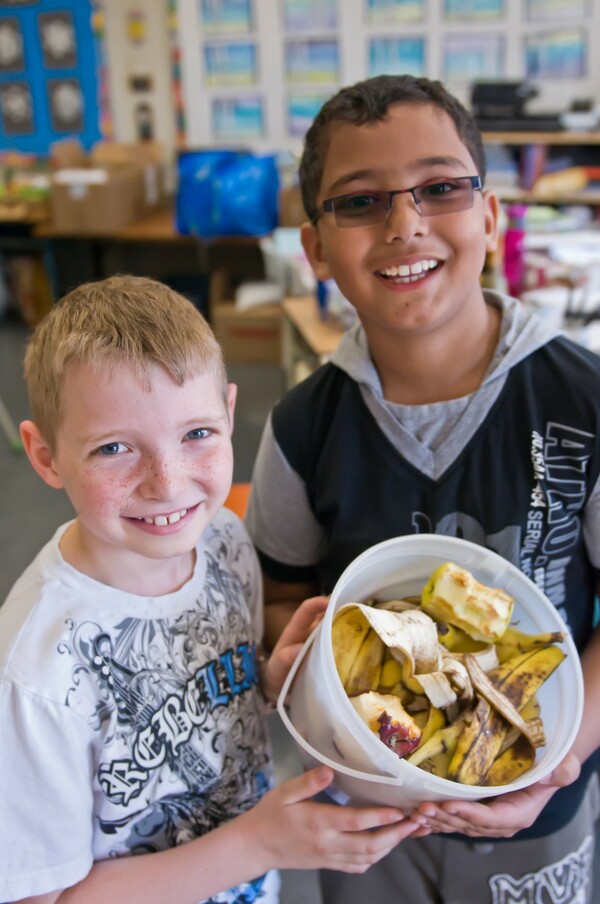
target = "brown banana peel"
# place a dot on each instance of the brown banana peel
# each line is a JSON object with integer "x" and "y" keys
{"x": 482, "y": 738}
{"x": 512, "y": 764}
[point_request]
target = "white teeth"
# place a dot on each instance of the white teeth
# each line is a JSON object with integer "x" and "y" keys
{"x": 162, "y": 520}
{"x": 407, "y": 271}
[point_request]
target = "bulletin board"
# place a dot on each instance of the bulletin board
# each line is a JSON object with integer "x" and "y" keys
{"x": 257, "y": 71}
{"x": 48, "y": 79}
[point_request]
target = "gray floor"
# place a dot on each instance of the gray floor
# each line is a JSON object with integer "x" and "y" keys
{"x": 30, "y": 511}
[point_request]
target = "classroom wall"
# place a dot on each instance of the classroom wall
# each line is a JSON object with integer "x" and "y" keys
{"x": 261, "y": 85}
{"x": 137, "y": 59}
{"x": 265, "y": 95}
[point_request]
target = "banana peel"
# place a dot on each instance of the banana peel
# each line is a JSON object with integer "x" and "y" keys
{"x": 411, "y": 637}
{"x": 514, "y": 641}
{"x": 395, "y": 652}
{"x": 348, "y": 631}
{"x": 455, "y": 640}
{"x": 510, "y": 765}
{"x": 391, "y": 674}
{"x": 485, "y": 729}
{"x": 365, "y": 672}
{"x": 442, "y": 741}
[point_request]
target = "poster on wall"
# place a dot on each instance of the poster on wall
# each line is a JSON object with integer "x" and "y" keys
{"x": 230, "y": 64}
{"x": 556, "y": 10}
{"x": 475, "y": 10}
{"x": 389, "y": 12}
{"x": 12, "y": 56}
{"x": 16, "y": 109}
{"x": 395, "y": 56}
{"x": 222, "y": 17}
{"x": 57, "y": 40}
{"x": 301, "y": 110}
{"x": 473, "y": 57}
{"x": 309, "y": 15}
{"x": 65, "y": 102}
{"x": 238, "y": 117}
{"x": 49, "y": 73}
{"x": 312, "y": 61}
{"x": 557, "y": 54}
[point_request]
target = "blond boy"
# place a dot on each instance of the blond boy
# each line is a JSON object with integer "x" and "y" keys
{"x": 130, "y": 694}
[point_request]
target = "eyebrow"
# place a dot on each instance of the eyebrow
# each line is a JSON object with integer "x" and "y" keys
{"x": 415, "y": 166}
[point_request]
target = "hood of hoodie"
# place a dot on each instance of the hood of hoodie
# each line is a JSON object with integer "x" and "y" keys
{"x": 521, "y": 333}
{"x": 433, "y": 435}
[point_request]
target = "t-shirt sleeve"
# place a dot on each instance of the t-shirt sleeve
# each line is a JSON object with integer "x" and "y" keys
{"x": 279, "y": 518}
{"x": 591, "y": 527}
{"x": 243, "y": 561}
{"x": 46, "y": 780}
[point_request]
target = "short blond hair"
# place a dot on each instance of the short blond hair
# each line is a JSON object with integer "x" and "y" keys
{"x": 121, "y": 320}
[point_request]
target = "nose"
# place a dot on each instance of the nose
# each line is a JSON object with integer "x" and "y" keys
{"x": 163, "y": 477}
{"x": 404, "y": 220}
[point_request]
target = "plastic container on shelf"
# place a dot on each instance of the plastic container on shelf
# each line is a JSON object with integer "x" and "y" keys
{"x": 514, "y": 249}
{"x": 327, "y": 729}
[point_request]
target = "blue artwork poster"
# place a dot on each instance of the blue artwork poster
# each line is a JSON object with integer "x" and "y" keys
{"x": 48, "y": 77}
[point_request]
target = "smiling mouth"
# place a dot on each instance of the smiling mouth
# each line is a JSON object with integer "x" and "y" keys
{"x": 163, "y": 520}
{"x": 409, "y": 273}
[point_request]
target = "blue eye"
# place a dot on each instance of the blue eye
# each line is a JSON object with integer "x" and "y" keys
{"x": 112, "y": 449}
{"x": 198, "y": 433}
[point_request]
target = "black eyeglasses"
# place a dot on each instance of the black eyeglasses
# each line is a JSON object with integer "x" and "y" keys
{"x": 368, "y": 208}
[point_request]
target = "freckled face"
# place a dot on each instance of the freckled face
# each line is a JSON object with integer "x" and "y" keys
{"x": 146, "y": 471}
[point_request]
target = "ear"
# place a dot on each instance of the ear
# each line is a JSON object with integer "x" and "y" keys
{"x": 313, "y": 248}
{"x": 492, "y": 211}
{"x": 231, "y": 398}
{"x": 40, "y": 454}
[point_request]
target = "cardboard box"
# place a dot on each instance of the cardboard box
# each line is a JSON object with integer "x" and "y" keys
{"x": 107, "y": 190}
{"x": 251, "y": 336}
{"x": 291, "y": 208}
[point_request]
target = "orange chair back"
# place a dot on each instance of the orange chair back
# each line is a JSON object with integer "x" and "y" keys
{"x": 237, "y": 500}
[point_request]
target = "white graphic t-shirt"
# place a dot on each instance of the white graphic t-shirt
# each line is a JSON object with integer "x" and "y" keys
{"x": 130, "y": 724}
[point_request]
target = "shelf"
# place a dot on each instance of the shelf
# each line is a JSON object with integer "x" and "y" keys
{"x": 562, "y": 138}
{"x": 518, "y": 196}
{"x": 533, "y": 152}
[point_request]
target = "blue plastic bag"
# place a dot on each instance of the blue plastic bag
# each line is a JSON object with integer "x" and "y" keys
{"x": 225, "y": 192}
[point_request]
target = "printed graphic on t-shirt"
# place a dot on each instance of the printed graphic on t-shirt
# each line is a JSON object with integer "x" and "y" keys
{"x": 564, "y": 882}
{"x": 176, "y": 705}
{"x": 543, "y": 549}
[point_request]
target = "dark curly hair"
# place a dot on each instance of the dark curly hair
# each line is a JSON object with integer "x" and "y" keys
{"x": 369, "y": 101}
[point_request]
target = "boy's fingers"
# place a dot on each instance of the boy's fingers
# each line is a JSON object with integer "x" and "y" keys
{"x": 302, "y": 622}
{"x": 304, "y": 786}
{"x": 367, "y": 819}
{"x": 566, "y": 772}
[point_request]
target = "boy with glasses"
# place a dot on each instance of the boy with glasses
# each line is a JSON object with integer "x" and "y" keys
{"x": 447, "y": 409}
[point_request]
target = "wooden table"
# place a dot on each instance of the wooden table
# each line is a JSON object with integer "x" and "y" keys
{"x": 307, "y": 340}
{"x": 154, "y": 237}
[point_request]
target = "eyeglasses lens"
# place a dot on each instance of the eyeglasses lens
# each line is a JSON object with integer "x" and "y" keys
{"x": 433, "y": 199}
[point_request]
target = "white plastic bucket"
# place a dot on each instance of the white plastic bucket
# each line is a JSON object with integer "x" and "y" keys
{"x": 326, "y": 727}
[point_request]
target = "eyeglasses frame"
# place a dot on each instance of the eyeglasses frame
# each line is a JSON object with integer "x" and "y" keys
{"x": 328, "y": 206}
